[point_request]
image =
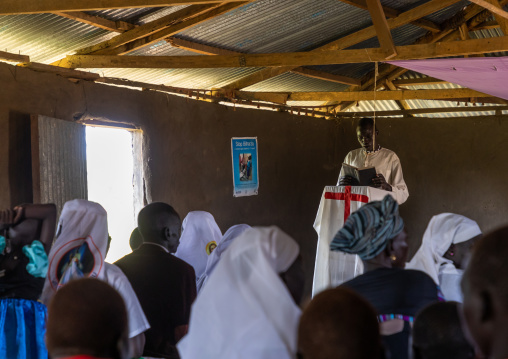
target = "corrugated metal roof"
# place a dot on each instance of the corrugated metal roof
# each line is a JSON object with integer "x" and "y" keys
{"x": 47, "y": 37}
{"x": 280, "y": 26}
{"x": 129, "y": 15}
{"x": 290, "y": 82}
{"x": 262, "y": 26}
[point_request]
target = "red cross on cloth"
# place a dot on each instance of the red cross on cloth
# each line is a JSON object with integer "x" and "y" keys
{"x": 347, "y": 197}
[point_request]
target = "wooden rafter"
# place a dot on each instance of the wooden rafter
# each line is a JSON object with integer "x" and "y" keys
{"x": 4, "y": 55}
{"x": 347, "y": 41}
{"x": 493, "y": 7}
{"x": 387, "y": 95}
{"x": 321, "y": 75}
{"x": 424, "y": 111}
{"x": 145, "y": 30}
{"x": 97, "y": 21}
{"x": 212, "y": 50}
{"x": 69, "y": 73}
{"x": 199, "y": 48}
{"x": 403, "y": 105}
{"x": 382, "y": 29}
{"x": 13, "y": 7}
{"x": 295, "y": 59}
{"x": 157, "y": 29}
{"x": 501, "y": 20}
{"x": 418, "y": 82}
{"x": 473, "y": 15}
{"x": 391, "y": 13}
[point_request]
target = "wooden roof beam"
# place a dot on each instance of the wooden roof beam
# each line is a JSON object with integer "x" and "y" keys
{"x": 212, "y": 50}
{"x": 145, "y": 30}
{"x": 473, "y": 14}
{"x": 384, "y": 35}
{"x": 14, "y": 7}
{"x": 391, "y": 13}
{"x": 403, "y": 105}
{"x": 493, "y": 7}
{"x": 348, "y": 41}
{"x": 97, "y": 21}
{"x": 418, "y": 82}
{"x": 396, "y": 95}
{"x": 424, "y": 111}
{"x": 295, "y": 59}
{"x": 8, "y": 56}
{"x": 501, "y": 18}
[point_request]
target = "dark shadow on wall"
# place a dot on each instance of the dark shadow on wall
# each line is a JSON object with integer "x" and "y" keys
{"x": 20, "y": 158}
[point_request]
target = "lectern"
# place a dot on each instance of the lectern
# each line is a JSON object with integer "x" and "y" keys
{"x": 337, "y": 203}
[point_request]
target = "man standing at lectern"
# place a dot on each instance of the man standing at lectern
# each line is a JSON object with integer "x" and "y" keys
{"x": 389, "y": 171}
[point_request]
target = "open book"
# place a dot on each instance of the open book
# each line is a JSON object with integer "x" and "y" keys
{"x": 364, "y": 176}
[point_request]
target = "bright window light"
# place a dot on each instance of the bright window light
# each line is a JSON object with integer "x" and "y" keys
{"x": 110, "y": 166}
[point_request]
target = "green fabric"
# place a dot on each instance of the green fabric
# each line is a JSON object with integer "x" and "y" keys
{"x": 2, "y": 244}
{"x": 38, "y": 259}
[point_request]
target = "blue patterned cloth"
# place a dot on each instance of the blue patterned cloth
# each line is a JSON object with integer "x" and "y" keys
{"x": 2, "y": 244}
{"x": 22, "y": 329}
{"x": 367, "y": 231}
{"x": 38, "y": 259}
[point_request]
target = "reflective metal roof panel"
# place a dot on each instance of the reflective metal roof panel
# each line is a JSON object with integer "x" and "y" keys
{"x": 47, "y": 37}
{"x": 280, "y": 26}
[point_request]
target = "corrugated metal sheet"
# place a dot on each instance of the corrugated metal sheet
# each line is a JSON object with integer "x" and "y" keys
{"x": 129, "y": 15}
{"x": 62, "y": 159}
{"x": 259, "y": 27}
{"x": 280, "y": 26}
{"x": 47, "y": 37}
{"x": 290, "y": 82}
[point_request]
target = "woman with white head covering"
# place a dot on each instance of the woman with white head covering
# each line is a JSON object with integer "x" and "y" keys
{"x": 79, "y": 251}
{"x": 200, "y": 235}
{"x": 223, "y": 244}
{"x": 246, "y": 310}
{"x": 445, "y": 250}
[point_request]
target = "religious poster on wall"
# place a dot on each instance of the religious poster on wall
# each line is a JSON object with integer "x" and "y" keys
{"x": 244, "y": 152}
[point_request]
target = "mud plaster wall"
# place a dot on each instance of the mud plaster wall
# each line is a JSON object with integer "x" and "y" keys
{"x": 187, "y": 150}
{"x": 449, "y": 164}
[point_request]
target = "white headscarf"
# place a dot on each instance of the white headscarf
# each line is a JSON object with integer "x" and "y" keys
{"x": 245, "y": 310}
{"x": 80, "y": 222}
{"x": 223, "y": 244}
{"x": 443, "y": 230}
{"x": 199, "y": 233}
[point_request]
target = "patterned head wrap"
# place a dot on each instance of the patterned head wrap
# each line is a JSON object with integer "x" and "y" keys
{"x": 367, "y": 231}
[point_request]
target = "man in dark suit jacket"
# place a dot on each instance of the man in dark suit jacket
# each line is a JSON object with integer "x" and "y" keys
{"x": 164, "y": 284}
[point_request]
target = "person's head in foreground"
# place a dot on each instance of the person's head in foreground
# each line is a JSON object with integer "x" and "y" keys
{"x": 448, "y": 239}
{"x": 485, "y": 288}
{"x": 159, "y": 223}
{"x": 248, "y": 308}
{"x": 438, "y": 334}
{"x": 376, "y": 233}
{"x": 135, "y": 240}
{"x": 365, "y": 133}
{"x": 340, "y": 324}
{"x": 87, "y": 317}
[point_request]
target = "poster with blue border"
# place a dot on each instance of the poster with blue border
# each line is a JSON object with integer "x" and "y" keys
{"x": 244, "y": 152}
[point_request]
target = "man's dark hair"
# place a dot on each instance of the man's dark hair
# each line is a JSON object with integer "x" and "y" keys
{"x": 366, "y": 122}
{"x": 86, "y": 317}
{"x": 136, "y": 239}
{"x": 437, "y": 333}
{"x": 153, "y": 218}
{"x": 489, "y": 263}
{"x": 338, "y": 323}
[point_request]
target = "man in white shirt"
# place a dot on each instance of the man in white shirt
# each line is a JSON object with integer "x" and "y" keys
{"x": 389, "y": 171}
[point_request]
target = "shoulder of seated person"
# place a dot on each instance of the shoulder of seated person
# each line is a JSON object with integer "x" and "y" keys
{"x": 414, "y": 274}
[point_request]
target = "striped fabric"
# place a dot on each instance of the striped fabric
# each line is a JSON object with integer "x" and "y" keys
{"x": 367, "y": 231}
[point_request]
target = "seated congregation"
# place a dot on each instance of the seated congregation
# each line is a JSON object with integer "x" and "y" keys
{"x": 188, "y": 291}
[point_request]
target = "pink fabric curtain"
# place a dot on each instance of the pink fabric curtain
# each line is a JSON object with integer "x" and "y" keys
{"x": 485, "y": 74}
